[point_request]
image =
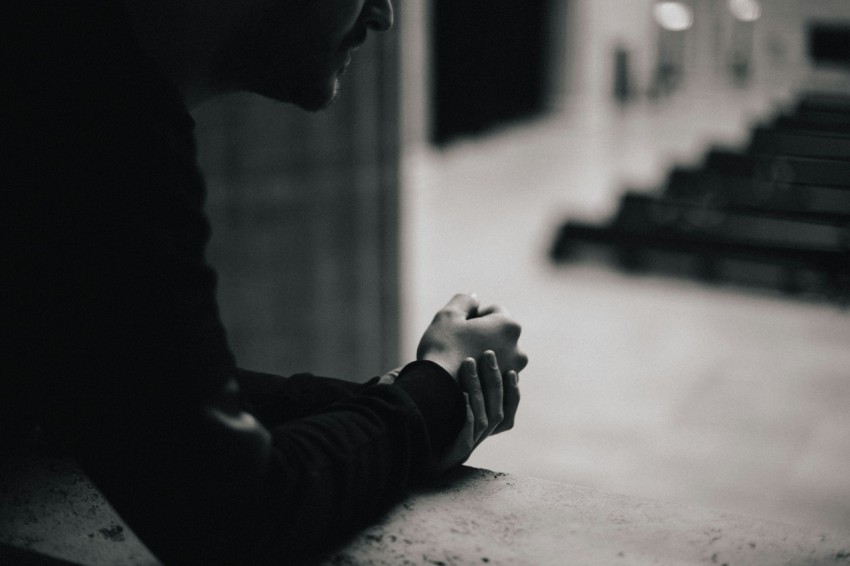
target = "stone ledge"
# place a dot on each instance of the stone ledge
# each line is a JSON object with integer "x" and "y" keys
{"x": 483, "y": 517}
{"x": 51, "y": 511}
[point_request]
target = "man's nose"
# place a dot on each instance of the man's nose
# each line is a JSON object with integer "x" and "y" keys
{"x": 379, "y": 14}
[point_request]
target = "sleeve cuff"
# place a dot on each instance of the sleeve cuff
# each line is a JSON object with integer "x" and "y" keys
{"x": 439, "y": 399}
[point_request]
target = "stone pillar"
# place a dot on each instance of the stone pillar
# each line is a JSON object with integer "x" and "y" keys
{"x": 304, "y": 214}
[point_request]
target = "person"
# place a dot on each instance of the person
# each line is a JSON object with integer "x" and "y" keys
{"x": 112, "y": 343}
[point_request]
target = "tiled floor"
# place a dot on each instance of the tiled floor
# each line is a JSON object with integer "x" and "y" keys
{"x": 638, "y": 385}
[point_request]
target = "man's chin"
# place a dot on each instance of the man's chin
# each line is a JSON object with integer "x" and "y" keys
{"x": 324, "y": 102}
{"x": 311, "y": 100}
{"x": 322, "y": 95}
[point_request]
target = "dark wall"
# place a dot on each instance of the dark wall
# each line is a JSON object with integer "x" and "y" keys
{"x": 489, "y": 59}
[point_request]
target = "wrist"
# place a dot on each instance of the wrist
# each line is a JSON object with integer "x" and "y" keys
{"x": 449, "y": 363}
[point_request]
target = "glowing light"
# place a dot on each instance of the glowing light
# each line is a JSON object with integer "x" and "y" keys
{"x": 673, "y": 16}
{"x": 745, "y": 10}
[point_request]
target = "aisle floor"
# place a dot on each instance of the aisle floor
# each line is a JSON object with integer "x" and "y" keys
{"x": 670, "y": 389}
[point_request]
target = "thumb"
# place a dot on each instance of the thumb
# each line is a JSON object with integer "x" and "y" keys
{"x": 463, "y": 305}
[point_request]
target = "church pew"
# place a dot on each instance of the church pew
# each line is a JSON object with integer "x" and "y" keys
{"x": 824, "y": 102}
{"x": 780, "y": 168}
{"x": 747, "y": 192}
{"x": 780, "y": 141}
{"x": 821, "y": 123}
{"x": 776, "y": 214}
{"x": 702, "y": 219}
{"x": 794, "y": 270}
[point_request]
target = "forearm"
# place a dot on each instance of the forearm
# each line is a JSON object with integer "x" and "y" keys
{"x": 215, "y": 486}
{"x": 274, "y": 399}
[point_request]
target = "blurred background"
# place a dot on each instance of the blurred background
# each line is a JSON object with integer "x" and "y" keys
{"x": 685, "y": 344}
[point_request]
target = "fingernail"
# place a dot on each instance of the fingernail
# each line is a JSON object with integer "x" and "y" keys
{"x": 469, "y": 365}
{"x": 491, "y": 358}
{"x": 514, "y": 377}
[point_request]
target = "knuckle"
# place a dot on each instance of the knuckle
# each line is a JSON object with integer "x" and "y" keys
{"x": 482, "y": 422}
{"x": 443, "y": 315}
{"x": 521, "y": 361}
{"x": 513, "y": 329}
{"x": 501, "y": 310}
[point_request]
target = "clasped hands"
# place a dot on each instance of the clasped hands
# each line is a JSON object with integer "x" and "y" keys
{"x": 478, "y": 347}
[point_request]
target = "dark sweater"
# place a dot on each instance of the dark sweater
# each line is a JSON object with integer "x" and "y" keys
{"x": 112, "y": 341}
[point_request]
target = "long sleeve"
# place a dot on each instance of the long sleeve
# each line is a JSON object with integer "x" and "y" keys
{"x": 274, "y": 399}
{"x": 112, "y": 339}
{"x": 212, "y": 485}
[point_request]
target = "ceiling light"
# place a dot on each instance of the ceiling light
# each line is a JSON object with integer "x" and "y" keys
{"x": 673, "y": 16}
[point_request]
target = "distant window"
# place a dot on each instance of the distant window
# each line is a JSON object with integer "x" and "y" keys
{"x": 829, "y": 44}
{"x": 489, "y": 64}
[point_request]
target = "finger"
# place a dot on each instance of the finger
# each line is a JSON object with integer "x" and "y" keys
{"x": 511, "y": 402}
{"x": 493, "y": 309}
{"x": 471, "y": 383}
{"x": 390, "y": 376}
{"x": 520, "y": 362}
{"x": 491, "y": 384}
{"x": 461, "y": 305}
{"x": 502, "y": 321}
